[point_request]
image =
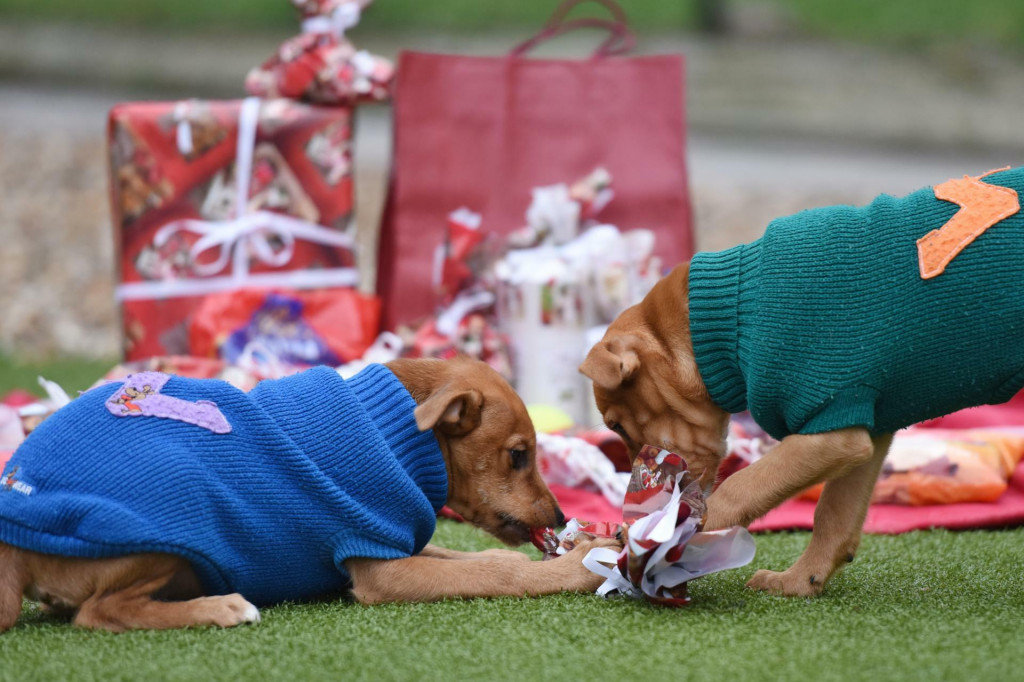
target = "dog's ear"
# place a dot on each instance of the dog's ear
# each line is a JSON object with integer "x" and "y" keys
{"x": 611, "y": 363}
{"x": 454, "y": 411}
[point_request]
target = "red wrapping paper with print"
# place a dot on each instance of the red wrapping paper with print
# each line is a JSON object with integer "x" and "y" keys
{"x": 320, "y": 64}
{"x": 299, "y": 328}
{"x": 175, "y": 210}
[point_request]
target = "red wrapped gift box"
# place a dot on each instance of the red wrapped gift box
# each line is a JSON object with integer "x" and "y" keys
{"x": 186, "y": 227}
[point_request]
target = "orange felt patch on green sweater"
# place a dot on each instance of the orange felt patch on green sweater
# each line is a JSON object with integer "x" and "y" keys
{"x": 981, "y": 206}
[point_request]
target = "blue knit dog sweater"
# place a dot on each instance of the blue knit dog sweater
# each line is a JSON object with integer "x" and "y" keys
{"x": 265, "y": 493}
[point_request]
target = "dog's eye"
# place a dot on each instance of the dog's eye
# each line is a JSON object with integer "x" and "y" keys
{"x": 519, "y": 457}
{"x": 617, "y": 428}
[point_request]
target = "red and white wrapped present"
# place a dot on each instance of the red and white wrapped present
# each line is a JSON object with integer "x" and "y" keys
{"x": 212, "y": 197}
{"x": 320, "y": 64}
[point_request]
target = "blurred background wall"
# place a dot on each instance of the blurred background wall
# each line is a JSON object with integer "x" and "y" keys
{"x": 791, "y": 104}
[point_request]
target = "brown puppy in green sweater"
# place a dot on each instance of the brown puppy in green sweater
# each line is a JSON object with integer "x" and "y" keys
{"x": 838, "y": 327}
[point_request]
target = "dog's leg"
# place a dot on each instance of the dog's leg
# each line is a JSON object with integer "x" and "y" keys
{"x": 838, "y": 519}
{"x": 14, "y": 579}
{"x": 436, "y": 552}
{"x": 796, "y": 463}
{"x": 123, "y": 599}
{"x": 425, "y": 578}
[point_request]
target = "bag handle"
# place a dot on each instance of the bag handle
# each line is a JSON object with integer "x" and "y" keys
{"x": 618, "y": 14}
{"x": 619, "y": 41}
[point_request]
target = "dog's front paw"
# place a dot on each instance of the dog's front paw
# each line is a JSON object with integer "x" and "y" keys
{"x": 789, "y": 583}
{"x": 581, "y": 578}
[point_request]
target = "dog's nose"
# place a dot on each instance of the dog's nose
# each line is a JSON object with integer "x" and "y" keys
{"x": 559, "y": 517}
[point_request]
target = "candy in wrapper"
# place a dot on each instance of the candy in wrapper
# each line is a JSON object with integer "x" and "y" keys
{"x": 320, "y": 65}
{"x": 298, "y": 328}
{"x": 664, "y": 549}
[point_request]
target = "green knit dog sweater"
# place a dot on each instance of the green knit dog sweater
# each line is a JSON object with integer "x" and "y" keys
{"x": 837, "y": 317}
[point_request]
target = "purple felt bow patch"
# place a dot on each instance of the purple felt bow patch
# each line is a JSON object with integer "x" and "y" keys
{"x": 140, "y": 396}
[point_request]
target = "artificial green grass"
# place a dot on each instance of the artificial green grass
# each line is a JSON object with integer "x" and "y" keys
{"x": 992, "y": 22}
{"x": 384, "y": 15}
{"x": 72, "y": 374}
{"x": 923, "y": 606}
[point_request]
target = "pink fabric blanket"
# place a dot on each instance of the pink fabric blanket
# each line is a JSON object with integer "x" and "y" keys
{"x": 882, "y": 518}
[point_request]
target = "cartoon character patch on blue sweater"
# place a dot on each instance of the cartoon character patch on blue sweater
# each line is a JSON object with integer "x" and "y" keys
{"x": 265, "y": 493}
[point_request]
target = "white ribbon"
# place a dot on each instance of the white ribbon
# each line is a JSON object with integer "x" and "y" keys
{"x": 598, "y": 560}
{"x": 344, "y": 17}
{"x": 247, "y": 234}
{"x": 447, "y": 323}
{"x": 183, "y": 132}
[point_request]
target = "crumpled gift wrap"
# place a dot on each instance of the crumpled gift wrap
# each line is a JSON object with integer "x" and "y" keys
{"x": 664, "y": 547}
{"x": 320, "y": 65}
{"x": 464, "y": 321}
{"x": 558, "y": 213}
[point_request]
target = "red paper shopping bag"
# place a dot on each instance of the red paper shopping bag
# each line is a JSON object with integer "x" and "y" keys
{"x": 481, "y": 132}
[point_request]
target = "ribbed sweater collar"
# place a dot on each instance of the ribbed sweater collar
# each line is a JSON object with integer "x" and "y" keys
{"x": 722, "y": 298}
{"x": 391, "y": 407}
{"x": 317, "y": 410}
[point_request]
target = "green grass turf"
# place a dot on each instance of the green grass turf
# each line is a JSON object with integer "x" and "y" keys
{"x": 923, "y": 606}
{"x": 383, "y": 16}
{"x": 73, "y": 374}
{"x": 873, "y": 21}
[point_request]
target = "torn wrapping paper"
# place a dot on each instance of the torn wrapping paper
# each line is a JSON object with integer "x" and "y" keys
{"x": 558, "y": 213}
{"x": 321, "y": 65}
{"x": 459, "y": 263}
{"x": 387, "y": 347}
{"x": 464, "y": 321}
{"x": 473, "y": 335}
{"x": 552, "y": 544}
{"x": 209, "y": 197}
{"x": 664, "y": 545}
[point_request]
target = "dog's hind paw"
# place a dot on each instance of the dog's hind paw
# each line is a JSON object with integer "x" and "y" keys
{"x": 232, "y": 609}
{"x": 789, "y": 583}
